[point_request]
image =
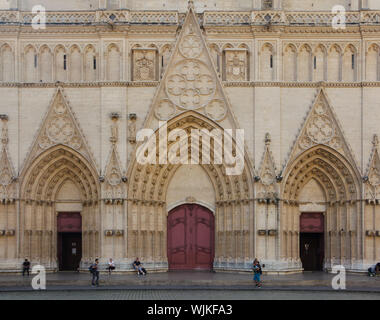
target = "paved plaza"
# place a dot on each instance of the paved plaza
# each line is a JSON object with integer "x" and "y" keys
{"x": 66, "y": 284}
{"x": 157, "y": 295}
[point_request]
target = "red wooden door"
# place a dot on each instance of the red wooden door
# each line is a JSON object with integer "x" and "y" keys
{"x": 190, "y": 238}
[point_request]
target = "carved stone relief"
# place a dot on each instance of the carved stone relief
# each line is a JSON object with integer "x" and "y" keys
{"x": 190, "y": 83}
{"x": 144, "y": 64}
{"x": 321, "y": 127}
{"x": 236, "y": 64}
{"x": 60, "y": 127}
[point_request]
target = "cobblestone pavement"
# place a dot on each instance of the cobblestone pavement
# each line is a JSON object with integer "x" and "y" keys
{"x": 175, "y": 279}
{"x": 256, "y": 294}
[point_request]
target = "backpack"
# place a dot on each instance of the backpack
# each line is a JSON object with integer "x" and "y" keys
{"x": 90, "y": 269}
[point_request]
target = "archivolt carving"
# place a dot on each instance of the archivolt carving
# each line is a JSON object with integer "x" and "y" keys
{"x": 145, "y": 177}
{"x": 336, "y": 176}
{"x": 147, "y": 194}
{"x": 53, "y": 167}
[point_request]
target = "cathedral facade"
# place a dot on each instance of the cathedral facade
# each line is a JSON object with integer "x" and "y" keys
{"x": 84, "y": 93}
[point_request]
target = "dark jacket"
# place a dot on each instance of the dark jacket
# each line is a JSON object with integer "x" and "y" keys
{"x": 94, "y": 268}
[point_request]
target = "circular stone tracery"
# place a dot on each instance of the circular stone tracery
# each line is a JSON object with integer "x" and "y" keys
{"x": 191, "y": 46}
{"x": 216, "y": 110}
{"x": 192, "y": 86}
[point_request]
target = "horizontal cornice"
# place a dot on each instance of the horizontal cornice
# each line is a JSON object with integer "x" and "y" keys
{"x": 213, "y": 21}
{"x": 244, "y": 84}
{"x": 293, "y": 84}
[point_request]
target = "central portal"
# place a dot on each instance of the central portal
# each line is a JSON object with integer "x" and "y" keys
{"x": 190, "y": 238}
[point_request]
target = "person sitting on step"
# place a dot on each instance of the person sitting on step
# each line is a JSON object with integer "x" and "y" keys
{"x": 139, "y": 268}
{"x": 374, "y": 270}
{"x": 25, "y": 267}
{"x": 111, "y": 266}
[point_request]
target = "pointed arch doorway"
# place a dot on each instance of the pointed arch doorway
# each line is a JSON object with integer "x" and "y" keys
{"x": 69, "y": 240}
{"x": 190, "y": 238}
{"x": 312, "y": 247}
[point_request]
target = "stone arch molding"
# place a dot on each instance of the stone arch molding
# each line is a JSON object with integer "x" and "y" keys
{"x": 340, "y": 184}
{"x": 147, "y": 208}
{"x": 321, "y": 153}
{"x": 58, "y": 154}
{"x": 234, "y": 186}
{"x": 330, "y": 169}
{"x": 49, "y": 170}
{"x": 40, "y": 185}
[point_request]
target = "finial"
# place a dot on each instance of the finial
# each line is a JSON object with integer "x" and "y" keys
{"x": 375, "y": 141}
{"x": 267, "y": 139}
{"x": 190, "y": 4}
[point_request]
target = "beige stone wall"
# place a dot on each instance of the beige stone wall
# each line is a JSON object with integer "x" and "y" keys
{"x": 309, "y": 145}
{"x": 200, "y": 5}
{"x": 321, "y": 5}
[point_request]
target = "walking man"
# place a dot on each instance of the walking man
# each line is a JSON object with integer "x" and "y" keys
{"x": 95, "y": 273}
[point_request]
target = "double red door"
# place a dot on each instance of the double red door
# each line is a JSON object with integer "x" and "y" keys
{"x": 190, "y": 238}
